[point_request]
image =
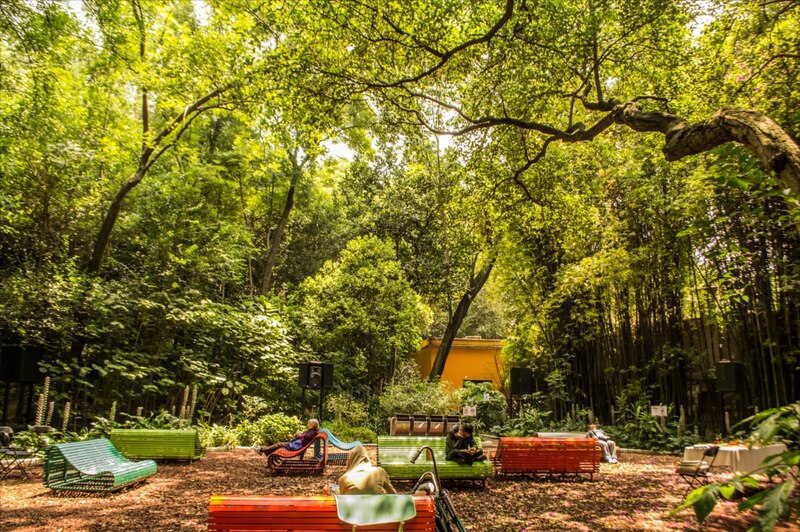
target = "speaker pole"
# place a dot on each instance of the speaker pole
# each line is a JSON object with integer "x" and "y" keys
{"x": 321, "y": 403}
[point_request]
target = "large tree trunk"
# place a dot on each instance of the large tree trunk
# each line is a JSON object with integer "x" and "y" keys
{"x": 475, "y": 286}
{"x": 103, "y": 237}
{"x": 277, "y": 237}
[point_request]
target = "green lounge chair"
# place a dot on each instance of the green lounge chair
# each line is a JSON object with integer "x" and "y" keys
{"x": 92, "y": 465}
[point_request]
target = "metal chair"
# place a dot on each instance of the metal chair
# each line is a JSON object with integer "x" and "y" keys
{"x": 11, "y": 457}
{"x": 697, "y": 472}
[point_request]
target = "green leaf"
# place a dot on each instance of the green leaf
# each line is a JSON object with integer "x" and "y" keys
{"x": 727, "y": 490}
{"x": 775, "y": 503}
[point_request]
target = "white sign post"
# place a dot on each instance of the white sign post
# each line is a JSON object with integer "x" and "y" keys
{"x": 469, "y": 411}
{"x": 659, "y": 411}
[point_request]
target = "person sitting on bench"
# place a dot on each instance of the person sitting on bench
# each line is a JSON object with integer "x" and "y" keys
{"x": 461, "y": 447}
{"x": 300, "y": 440}
{"x": 361, "y": 477}
{"x": 608, "y": 447}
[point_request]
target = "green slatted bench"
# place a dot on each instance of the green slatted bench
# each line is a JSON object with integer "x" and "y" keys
{"x": 92, "y": 465}
{"x": 395, "y": 453}
{"x": 158, "y": 444}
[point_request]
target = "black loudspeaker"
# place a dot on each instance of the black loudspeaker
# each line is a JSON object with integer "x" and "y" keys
{"x": 521, "y": 381}
{"x": 315, "y": 370}
{"x": 327, "y": 375}
{"x": 302, "y": 375}
{"x": 315, "y": 375}
{"x": 20, "y": 364}
{"x": 730, "y": 377}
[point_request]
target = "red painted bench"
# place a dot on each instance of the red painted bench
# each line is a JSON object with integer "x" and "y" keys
{"x": 298, "y": 513}
{"x": 551, "y": 457}
{"x": 282, "y": 461}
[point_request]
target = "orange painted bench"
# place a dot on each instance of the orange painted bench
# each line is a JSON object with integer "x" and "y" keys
{"x": 301, "y": 514}
{"x": 549, "y": 457}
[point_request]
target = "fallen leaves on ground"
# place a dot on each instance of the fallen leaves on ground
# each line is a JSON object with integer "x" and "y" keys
{"x": 636, "y": 494}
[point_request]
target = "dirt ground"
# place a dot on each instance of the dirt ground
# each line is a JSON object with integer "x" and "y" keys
{"x": 636, "y": 494}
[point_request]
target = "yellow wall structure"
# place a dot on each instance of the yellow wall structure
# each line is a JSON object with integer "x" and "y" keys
{"x": 470, "y": 359}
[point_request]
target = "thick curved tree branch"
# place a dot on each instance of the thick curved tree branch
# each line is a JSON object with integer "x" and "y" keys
{"x": 775, "y": 149}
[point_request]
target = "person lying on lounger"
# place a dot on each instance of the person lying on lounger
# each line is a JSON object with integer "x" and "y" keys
{"x": 300, "y": 440}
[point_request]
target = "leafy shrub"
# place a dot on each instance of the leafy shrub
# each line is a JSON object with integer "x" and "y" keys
{"x": 576, "y": 421}
{"x": 411, "y": 394}
{"x": 268, "y": 429}
{"x": 528, "y": 424}
{"x": 490, "y": 404}
{"x": 347, "y": 432}
{"x": 345, "y": 408}
{"x": 218, "y": 436}
{"x": 644, "y": 431}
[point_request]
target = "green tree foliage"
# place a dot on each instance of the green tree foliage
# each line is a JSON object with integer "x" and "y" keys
{"x": 178, "y": 153}
{"x": 489, "y": 403}
{"x": 361, "y": 314}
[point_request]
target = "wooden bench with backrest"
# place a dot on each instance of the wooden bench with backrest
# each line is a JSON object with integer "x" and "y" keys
{"x": 158, "y": 444}
{"x": 302, "y": 513}
{"x": 395, "y": 453}
{"x": 283, "y": 461}
{"x": 92, "y": 465}
{"x": 562, "y": 457}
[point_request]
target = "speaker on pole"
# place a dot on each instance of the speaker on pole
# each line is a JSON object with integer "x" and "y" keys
{"x": 315, "y": 375}
{"x": 521, "y": 381}
{"x": 315, "y": 370}
{"x": 327, "y": 375}
{"x": 302, "y": 375}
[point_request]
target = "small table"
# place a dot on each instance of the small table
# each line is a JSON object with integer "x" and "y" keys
{"x": 738, "y": 458}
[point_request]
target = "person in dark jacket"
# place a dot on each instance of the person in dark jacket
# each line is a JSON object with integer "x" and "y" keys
{"x": 461, "y": 447}
{"x": 300, "y": 440}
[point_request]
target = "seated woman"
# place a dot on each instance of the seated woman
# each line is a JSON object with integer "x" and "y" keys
{"x": 300, "y": 440}
{"x": 361, "y": 477}
{"x": 607, "y": 446}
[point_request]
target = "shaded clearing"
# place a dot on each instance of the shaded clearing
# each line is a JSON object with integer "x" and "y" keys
{"x": 637, "y": 494}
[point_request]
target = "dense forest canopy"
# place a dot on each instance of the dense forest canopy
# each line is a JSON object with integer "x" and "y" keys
{"x": 208, "y": 192}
